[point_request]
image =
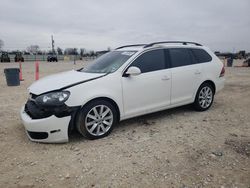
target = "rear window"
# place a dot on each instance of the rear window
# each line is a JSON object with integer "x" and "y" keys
{"x": 201, "y": 55}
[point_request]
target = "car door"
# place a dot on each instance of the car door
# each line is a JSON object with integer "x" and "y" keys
{"x": 186, "y": 75}
{"x": 150, "y": 90}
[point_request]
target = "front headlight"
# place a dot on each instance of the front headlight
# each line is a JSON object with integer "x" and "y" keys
{"x": 56, "y": 98}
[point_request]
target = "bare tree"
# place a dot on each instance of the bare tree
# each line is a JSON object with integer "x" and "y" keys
{"x": 33, "y": 49}
{"x": 82, "y": 51}
{"x": 59, "y": 51}
{"x": 75, "y": 51}
{"x": 70, "y": 51}
{"x": 1, "y": 44}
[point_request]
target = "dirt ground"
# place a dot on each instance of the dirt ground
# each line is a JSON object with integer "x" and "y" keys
{"x": 172, "y": 148}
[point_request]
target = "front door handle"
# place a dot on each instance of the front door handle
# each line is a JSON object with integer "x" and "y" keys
{"x": 165, "y": 78}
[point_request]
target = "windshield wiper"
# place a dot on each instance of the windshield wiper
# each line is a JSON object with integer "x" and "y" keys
{"x": 80, "y": 69}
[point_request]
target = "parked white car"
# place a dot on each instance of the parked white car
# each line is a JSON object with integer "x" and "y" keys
{"x": 127, "y": 82}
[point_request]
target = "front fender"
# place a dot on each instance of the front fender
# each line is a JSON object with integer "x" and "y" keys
{"x": 107, "y": 86}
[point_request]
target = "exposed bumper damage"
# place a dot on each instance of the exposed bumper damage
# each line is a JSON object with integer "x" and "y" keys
{"x": 48, "y": 125}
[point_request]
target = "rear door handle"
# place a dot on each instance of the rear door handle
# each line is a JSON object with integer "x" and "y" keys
{"x": 197, "y": 72}
{"x": 165, "y": 78}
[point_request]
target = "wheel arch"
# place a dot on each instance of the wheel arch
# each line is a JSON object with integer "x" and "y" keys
{"x": 108, "y": 100}
{"x": 211, "y": 83}
{"x": 206, "y": 81}
{"x": 195, "y": 103}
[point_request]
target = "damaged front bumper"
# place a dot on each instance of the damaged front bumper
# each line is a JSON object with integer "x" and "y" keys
{"x": 48, "y": 130}
{"x": 50, "y": 125}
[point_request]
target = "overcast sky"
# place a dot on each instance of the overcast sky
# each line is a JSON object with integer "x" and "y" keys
{"x": 97, "y": 24}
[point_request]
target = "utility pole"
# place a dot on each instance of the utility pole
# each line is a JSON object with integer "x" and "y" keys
{"x": 53, "y": 44}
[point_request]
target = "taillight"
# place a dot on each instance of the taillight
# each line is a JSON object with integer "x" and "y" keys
{"x": 222, "y": 73}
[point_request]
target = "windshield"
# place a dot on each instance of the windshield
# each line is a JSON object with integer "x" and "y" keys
{"x": 108, "y": 62}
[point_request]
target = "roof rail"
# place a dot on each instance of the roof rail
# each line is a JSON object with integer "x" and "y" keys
{"x": 130, "y": 46}
{"x": 164, "y": 42}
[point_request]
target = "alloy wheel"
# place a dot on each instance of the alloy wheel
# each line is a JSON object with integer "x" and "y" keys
{"x": 99, "y": 120}
{"x": 205, "y": 97}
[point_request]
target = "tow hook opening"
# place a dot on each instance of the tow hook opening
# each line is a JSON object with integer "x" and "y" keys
{"x": 55, "y": 131}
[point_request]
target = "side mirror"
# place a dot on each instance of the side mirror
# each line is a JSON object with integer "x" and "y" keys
{"x": 133, "y": 71}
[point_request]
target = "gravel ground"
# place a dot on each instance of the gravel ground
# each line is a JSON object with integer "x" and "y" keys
{"x": 172, "y": 148}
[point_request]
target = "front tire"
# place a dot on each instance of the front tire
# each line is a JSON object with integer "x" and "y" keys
{"x": 96, "y": 119}
{"x": 204, "y": 97}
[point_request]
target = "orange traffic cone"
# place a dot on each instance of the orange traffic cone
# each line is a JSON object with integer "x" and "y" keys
{"x": 20, "y": 72}
{"x": 37, "y": 71}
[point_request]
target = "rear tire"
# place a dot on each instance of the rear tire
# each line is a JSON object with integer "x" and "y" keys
{"x": 204, "y": 97}
{"x": 96, "y": 119}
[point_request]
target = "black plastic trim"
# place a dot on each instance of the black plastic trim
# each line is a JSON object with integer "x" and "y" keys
{"x": 38, "y": 135}
{"x": 72, "y": 122}
{"x": 39, "y": 112}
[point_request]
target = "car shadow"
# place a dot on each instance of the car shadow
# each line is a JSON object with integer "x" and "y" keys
{"x": 144, "y": 120}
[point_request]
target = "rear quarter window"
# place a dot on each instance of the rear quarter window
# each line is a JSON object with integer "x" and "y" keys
{"x": 201, "y": 55}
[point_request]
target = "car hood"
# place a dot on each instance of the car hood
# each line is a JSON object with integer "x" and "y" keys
{"x": 61, "y": 80}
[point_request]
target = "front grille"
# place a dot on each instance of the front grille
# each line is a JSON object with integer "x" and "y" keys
{"x": 38, "y": 135}
{"x": 35, "y": 112}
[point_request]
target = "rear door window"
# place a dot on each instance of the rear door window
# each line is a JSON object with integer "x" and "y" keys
{"x": 180, "y": 57}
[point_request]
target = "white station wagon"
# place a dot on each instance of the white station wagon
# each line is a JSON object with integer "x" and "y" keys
{"x": 127, "y": 82}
